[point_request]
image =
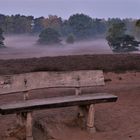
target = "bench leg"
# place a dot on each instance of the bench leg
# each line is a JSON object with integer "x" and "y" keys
{"x": 90, "y": 118}
{"x": 82, "y": 116}
{"x": 21, "y": 119}
{"x": 81, "y": 111}
{"x": 29, "y": 126}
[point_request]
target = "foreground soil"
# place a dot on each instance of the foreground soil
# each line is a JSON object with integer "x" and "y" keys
{"x": 113, "y": 121}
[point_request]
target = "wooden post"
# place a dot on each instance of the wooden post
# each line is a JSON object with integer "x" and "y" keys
{"x": 80, "y": 109}
{"x": 77, "y": 91}
{"x": 29, "y": 131}
{"x": 29, "y": 121}
{"x": 90, "y": 118}
{"x": 26, "y": 95}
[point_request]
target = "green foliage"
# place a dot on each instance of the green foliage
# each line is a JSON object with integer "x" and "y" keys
{"x": 116, "y": 29}
{"x": 53, "y": 21}
{"x": 138, "y": 23}
{"x": 22, "y": 24}
{"x": 119, "y": 41}
{"x": 38, "y": 25}
{"x": 49, "y": 36}
{"x": 137, "y": 29}
{"x": 99, "y": 27}
{"x": 112, "y": 21}
{"x": 70, "y": 39}
{"x": 16, "y": 23}
{"x": 81, "y": 25}
{"x": 1, "y": 38}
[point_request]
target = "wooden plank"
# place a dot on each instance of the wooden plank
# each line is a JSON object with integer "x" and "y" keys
{"x": 38, "y": 80}
{"x": 38, "y": 104}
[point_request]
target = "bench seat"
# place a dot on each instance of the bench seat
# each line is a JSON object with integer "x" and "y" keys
{"x": 56, "y": 102}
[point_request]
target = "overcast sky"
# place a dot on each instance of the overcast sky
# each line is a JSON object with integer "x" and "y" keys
{"x": 65, "y": 8}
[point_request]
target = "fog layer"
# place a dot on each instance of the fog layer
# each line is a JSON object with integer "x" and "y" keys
{"x": 25, "y": 46}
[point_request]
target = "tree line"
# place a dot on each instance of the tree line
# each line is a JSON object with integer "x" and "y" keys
{"x": 78, "y": 27}
{"x": 19, "y": 24}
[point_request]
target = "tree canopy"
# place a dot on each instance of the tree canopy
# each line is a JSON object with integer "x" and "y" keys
{"x": 70, "y": 39}
{"x": 119, "y": 41}
{"x": 49, "y": 36}
{"x": 81, "y": 25}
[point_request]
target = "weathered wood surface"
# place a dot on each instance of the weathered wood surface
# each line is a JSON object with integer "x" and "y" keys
{"x": 90, "y": 117}
{"x": 37, "y": 104}
{"x": 38, "y": 80}
{"x": 29, "y": 126}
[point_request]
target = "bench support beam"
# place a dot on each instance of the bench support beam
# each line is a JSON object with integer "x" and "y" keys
{"x": 88, "y": 115}
{"x": 29, "y": 126}
{"x": 21, "y": 118}
{"x": 77, "y": 91}
{"x": 25, "y": 119}
{"x": 90, "y": 118}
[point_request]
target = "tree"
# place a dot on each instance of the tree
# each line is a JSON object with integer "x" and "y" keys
{"x": 22, "y": 24}
{"x": 115, "y": 31}
{"x": 1, "y": 38}
{"x": 49, "y": 36}
{"x": 130, "y": 26}
{"x": 129, "y": 43}
{"x": 99, "y": 26}
{"x": 38, "y": 25}
{"x": 138, "y": 23}
{"x": 112, "y": 21}
{"x": 53, "y": 21}
{"x": 70, "y": 39}
{"x": 125, "y": 43}
{"x": 137, "y": 29}
{"x": 81, "y": 25}
{"x": 119, "y": 41}
{"x": 16, "y": 23}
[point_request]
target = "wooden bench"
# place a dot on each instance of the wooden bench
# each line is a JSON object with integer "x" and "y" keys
{"x": 39, "y": 80}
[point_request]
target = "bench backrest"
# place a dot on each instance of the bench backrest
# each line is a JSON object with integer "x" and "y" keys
{"x": 39, "y": 80}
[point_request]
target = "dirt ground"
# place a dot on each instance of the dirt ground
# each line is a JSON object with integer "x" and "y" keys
{"x": 113, "y": 121}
